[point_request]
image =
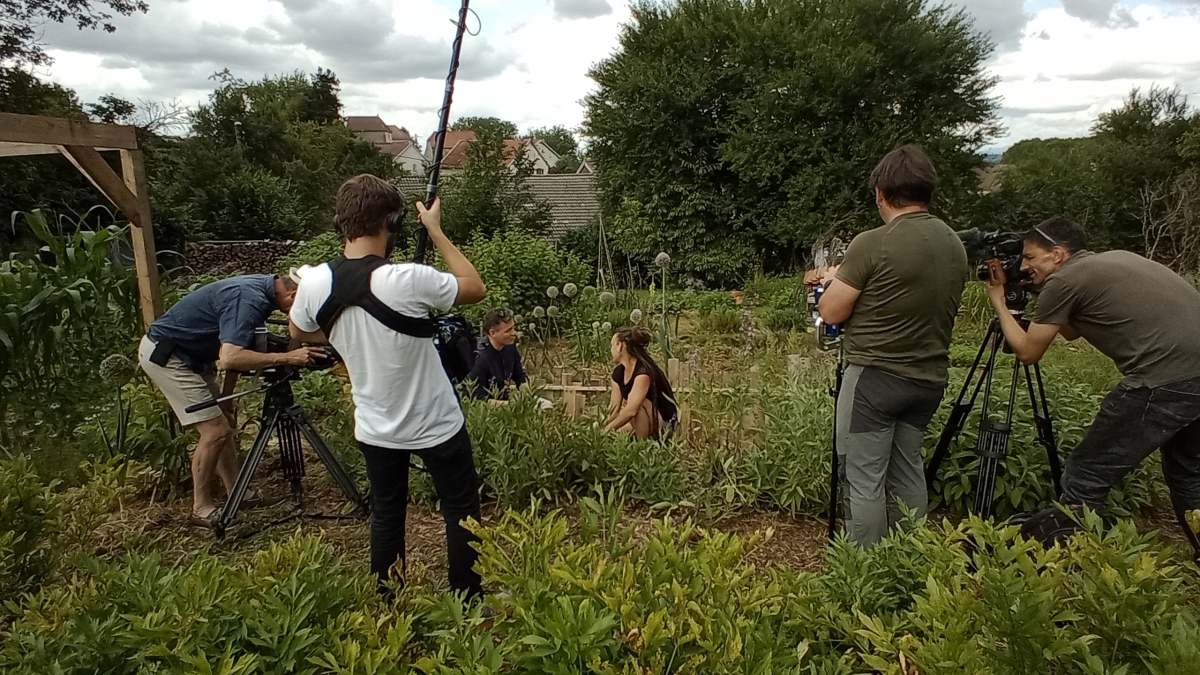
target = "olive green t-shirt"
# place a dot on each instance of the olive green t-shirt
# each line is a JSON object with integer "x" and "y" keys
{"x": 911, "y": 273}
{"x": 1135, "y": 311}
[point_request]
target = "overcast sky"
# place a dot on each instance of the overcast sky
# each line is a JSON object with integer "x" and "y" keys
{"x": 1061, "y": 62}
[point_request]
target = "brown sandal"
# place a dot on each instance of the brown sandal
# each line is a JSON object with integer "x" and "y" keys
{"x": 201, "y": 521}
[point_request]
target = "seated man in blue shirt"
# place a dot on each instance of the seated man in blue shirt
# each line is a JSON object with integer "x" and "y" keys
{"x": 180, "y": 352}
{"x": 497, "y": 361}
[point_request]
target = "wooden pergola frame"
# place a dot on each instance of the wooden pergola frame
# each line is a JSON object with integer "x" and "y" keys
{"x": 82, "y": 142}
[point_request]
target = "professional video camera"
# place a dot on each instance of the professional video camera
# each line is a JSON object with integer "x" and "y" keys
{"x": 1008, "y": 248}
{"x": 271, "y": 343}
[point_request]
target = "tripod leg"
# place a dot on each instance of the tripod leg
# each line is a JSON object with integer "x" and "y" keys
{"x": 834, "y": 476}
{"x": 962, "y": 406}
{"x": 293, "y": 458}
{"x": 229, "y": 511}
{"x": 994, "y": 436}
{"x": 1044, "y": 424}
{"x": 340, "y": 475}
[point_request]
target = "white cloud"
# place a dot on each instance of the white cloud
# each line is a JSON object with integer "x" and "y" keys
{"x": 1060, "y": 65}
{"x": 1058, "y": 86}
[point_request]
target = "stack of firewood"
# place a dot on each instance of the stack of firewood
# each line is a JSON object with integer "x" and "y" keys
{"x": 222, "y": 258}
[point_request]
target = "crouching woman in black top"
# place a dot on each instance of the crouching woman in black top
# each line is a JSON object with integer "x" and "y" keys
{"x": 641, "y": 401}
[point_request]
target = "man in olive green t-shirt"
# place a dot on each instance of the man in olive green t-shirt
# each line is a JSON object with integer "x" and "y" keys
{"x": 1145, "y": 318}
{"x": 897, "y": 291}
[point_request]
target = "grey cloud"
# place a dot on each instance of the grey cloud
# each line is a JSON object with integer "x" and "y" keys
{"x": 1002, "y": 20}
{"x": 581, "y": 9}
{"x": 1044, "y": 110}
{"x": 1043, "y": 35}
{"x": 174, "y": 52}
{"x": 1127, "y": 71}
{"x": 1100, "y": 13}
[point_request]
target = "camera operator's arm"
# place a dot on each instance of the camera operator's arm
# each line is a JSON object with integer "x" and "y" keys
{"x": 231, "y": 378}
{"x": 240, "y": 359}
{"x": 300, "y": 337}
{"x": 838, "y": 301}
{"x": 1029, "y": 345}
{"x": 470, "y": 286}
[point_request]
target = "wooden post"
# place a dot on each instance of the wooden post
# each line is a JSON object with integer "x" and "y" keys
{"x": 575, "y": 401}
{"x": 566, "y": 378}
{"x": 141, "y": 236}
{"x": 673, "y": 371}
{"x": 685, "y": 420}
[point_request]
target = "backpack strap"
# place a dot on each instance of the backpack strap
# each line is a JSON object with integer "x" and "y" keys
{"x": 351, "y": 287}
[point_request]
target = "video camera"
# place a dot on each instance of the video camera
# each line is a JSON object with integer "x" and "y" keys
{"x": 271, "y": 343}
{"x": 1008, "y": 248}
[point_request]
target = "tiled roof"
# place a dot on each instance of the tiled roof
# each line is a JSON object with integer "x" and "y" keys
{"x": 399, "y": 133}
{"x": 573, "y": 199}
{"x": 372, "y": 123}
{"x": 393, "y": 149}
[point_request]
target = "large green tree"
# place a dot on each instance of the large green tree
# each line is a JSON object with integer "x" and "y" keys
{"x": 742, "y": 130}
{"x": 1107, "y": 181}
{"x": 21, "y": 23}
{"x": 489, "y": 195}
{"x": 264, "y": 159}
{"x": 485, "y": 126}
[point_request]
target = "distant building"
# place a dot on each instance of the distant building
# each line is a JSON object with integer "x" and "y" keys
{"x": 391, "y": 140}
{"x": 541, "y": 156}
{"x": 573, "y": 198}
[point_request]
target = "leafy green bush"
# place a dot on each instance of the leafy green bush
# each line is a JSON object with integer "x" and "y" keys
{"x": 313, "y": 251}
{"x": 518, "y": 267}
{"x": 291, "y": 609}
{"x": 26, "y": 508}
{"x": 721, "y": 321}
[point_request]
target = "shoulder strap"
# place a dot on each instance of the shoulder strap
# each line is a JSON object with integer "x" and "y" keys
{"x": 351, "y": 287}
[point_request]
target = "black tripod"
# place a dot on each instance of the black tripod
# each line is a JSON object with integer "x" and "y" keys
{"x": 992, "y": 444}
{"x": 283, "y": 418}
{"x": 834, "y": 464}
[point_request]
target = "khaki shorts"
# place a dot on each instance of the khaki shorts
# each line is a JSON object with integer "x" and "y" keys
{"x": 181, "y": 385}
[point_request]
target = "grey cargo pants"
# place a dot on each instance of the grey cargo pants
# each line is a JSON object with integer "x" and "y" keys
{"x": 881, "y": 421}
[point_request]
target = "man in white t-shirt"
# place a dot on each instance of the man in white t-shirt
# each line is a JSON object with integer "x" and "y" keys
{"x": 404, "y": 401}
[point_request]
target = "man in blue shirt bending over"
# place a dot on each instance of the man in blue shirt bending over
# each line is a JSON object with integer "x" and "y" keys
{"x": 497, "y": 361}
{"x": 213, "y": 325}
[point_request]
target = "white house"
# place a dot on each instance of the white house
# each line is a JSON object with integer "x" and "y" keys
{"x": 391, "y": 140}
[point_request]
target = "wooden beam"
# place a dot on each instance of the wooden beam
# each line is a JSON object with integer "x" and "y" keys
{"x": 23, "y": 149}
{"x": 141, "y": 236}
{"x": 61, "y": 131}
{"x": 88, "y": 161}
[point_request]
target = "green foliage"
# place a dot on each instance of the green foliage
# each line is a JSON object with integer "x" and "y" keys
{"x": 26, "y": 507}
{"x": 290, "y": 609}
{"x": 485, "y": 126}
{"x": 63, "y": 310}
{"x": 518, "y": 267}
{"x": 313, "y": 251}
{"x": 24, "y": 21}
{"x": 490, "y": 195}
{"x": 1100, "y": 181}
{"x": 762, "y": 136}
{"x": 264, "y": 160}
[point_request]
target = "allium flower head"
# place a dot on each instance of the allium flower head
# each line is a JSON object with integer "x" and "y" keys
{"x": 606, "y": 327}
{"x": 552, "y": 292}
{"x": 552, "y": 312}
{"x": 607, "y": 298}
{"x": 635, "y": 316}
{"x": 117, "y": 368}
{"x": 539, "y": 312}
{"x": 570, "y": 290}
{"x": 662, "y": 259}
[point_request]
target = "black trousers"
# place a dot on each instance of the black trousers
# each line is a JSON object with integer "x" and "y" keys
{"x": 453, "y": 470}
{"x": 1134, "y": 422}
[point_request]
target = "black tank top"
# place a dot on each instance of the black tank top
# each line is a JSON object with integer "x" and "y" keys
{"x": 661, "y": 400}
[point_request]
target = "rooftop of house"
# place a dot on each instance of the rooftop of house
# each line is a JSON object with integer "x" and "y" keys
{"x": 366, "y": 124}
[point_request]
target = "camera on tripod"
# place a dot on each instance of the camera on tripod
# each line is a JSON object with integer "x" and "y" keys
{"x": 1008, "y": 248}
{"x": 272, "y": 343}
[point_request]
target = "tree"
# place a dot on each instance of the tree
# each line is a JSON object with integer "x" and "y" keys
{"x": 1121, "y": 183}
{"x": 562, "y": 141}
{"x": 761, "y": 135}
{"x": 486, "y": 126}
{"x": 111, "y": 109}
{"x": 19, "y": 29}
{"x": 488, "y": 196}
{"x": 264, "y": 160}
